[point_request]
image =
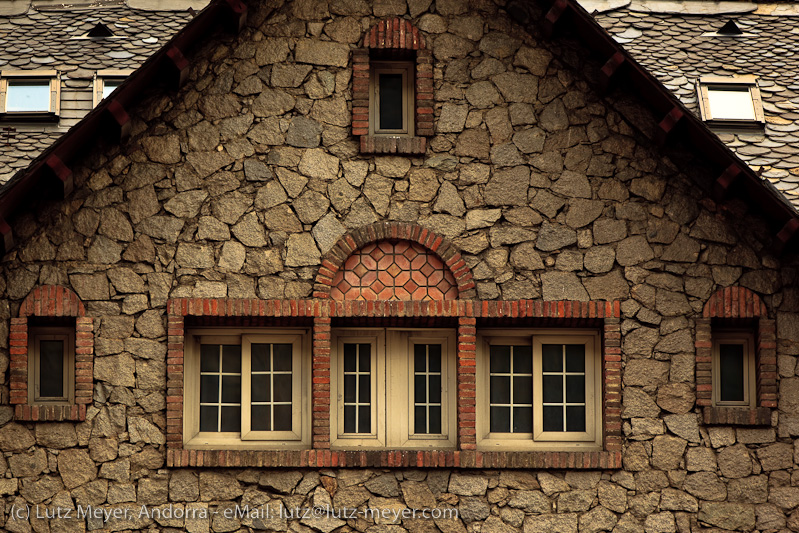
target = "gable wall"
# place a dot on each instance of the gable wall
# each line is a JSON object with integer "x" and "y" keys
{"x": 239, "y": 184}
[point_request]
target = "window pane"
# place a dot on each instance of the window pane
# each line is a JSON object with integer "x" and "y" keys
{"x": 51, "y": 369}
{"x": 522, "y": 390}
{"x": 282, "y": 418}
{"x": 575, "y": 389}
{"x": 282, "y": 388}
{"x": 364, "y": 357}
{"x": 500, "y": 359}
{"x": 349, "y": 389}
{"x": 231, "y": 389}
{"x": 364, "y": 389}
{"x": 435, "y": 388}
{"x": 500, "y": 419}
{"x": 261, "y": 418}
{"x": 282, "y": 357}
{"x": 420, "y": 419}
{"x": 731, "y": 373}
{"x": 209, "y": 358}
{"x": 435, "y": 357}
{"x": 553, "y": 418}
{"x": 731, "y": 103}
{"x": 350, "y": 355}
{"x": 391, "y": 109}
{"x": 575, "y": 418}
{"x": 109, "y": 86}
{"x": 552, "y": 357}
{"x": 435, "y": 420}
{"x": 349, "y": 419}
{"x": 523, "y": 359}
{"x": 28, "y": 96}
{"x": 500, "y": 389}
{"x": 419, "y": 357}
{"x": 364, "y": 419}
{"x": 209, "y": 388}
{"x": 209, "y": 418}
{"x": 575, "y": 358}
{"x": 419, "y": 389}
{"x": 231, "y": 418}
{"x": 552, "y": 388}
{"x": 260, "y": 357}
{"x": 522, "y": 419}
{"x": 231, "y": 359}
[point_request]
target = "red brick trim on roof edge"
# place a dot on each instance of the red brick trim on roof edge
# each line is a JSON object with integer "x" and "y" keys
{"x": 51, "y": 300}
{"x": 734, "y": 302}
{"x": 394, "y": 33}
{"x": 349, "y": 243}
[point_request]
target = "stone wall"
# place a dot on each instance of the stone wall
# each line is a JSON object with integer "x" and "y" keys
{"x": 237, "y": 185}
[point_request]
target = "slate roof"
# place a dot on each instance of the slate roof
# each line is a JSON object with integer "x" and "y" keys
{"x": 45, "y": 36}
{"x": 676, "y": 42}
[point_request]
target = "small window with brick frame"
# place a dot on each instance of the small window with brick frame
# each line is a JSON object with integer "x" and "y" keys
{"x": 51, "y": 365}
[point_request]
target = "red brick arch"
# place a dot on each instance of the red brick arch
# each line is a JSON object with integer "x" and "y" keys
{"x": 394, "y": 33}
{"x": 422, "y": 242}
{"x": 51, "y": 300}
{"x": 734, "y": 302}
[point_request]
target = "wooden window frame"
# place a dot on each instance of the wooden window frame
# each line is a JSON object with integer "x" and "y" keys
{"x": 101, "y": 76}
{"x": 35, "y": 336}
{"x": 392, "y": 388}
{"x": 748, "y": 83}
{"x": 52, "y": 76}
{"x": 746, "y": 339}
{"x": 406, "y": 69}
{"x": 590, "y": 440}
{"x": 299, "y": 437}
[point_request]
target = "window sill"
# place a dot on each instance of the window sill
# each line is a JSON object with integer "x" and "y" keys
{"x": 25, "y": 116}
{"x": 371, "y": 144}
{"x": 737, "y": 416}
{"x": 50, "y": 413}
{"x": 595, "y": 460}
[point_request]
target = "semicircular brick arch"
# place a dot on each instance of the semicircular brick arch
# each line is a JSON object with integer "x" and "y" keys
{"x": 394, "y": 33}
{"x": 734, "y": 302}
{"x": 394, "y": 261}
{"x": 51, "y": 300}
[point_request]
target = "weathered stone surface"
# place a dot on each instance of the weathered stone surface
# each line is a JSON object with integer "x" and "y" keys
{"x": 302, "y": 250}
{"x": 676, "y": 398}
{"x": 322, "y": 53}
{"x": 733, "y": 516}
{"x": 76, "y": 467}
{"x": 554, "y": 236}
{"x": 562, "y": 286}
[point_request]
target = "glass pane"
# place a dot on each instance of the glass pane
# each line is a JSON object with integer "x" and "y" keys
{"x": 282, "y": 386}
{"x": 434, "y": 351}
{"x": 435, "y": 420}
{"x": 261, "y": 416}
{"x": 209, "y": 358}
{"x": 522, "y": 419}
{"x": 364, "y": 419}
{"x": 522, "y": 390}
{"x": 732, "y": 102}
{"x": 420, "y": 419}
{"x": 500, "y": 389}
{"x": 109, "y": 86}
{"x": 731, "y": 373}
{"x": 500, "y": 359}
{"x": 575, "y": 389}
{"x": 282, "y": 355}
{"x": 391, "y": 109}
{"x": 575, "y": 418}
{"x": 51, "y": 369}
{"x": 349, "y": 389}
{"x": 28, "y": 96}
{"x": 419, "y": 359}
{"x": 231, "y": 418}
{"x": 231, "y": 389}
{"x": 500, "y": 419}
{"x": 419, "y": 389}
{"x": 553, "y": 418}
{"x": 209, "y": 389}
{"x": 364, "y": 357}
{"x": 364, "y": 389}
{"x": 552, "y": 388}
{"x": 260, "y": 358}
{"x": 209, "y": 418}
{"x": 350, "y": 351}
{"x": 552, "y": 357}
{"x": 231, "y": 359}
{"x": 283, "y": 418}
{"x": 261, "y": 388}
{"x": 523, "y": 359}
{"x": 349, "y": 419}
{"x": 575, "y": 358}
{"x": 435, "y": 388}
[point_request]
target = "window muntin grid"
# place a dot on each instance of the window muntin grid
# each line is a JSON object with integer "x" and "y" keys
{"x": 563, "y": 387}
{"x": 511, "y": 395}
{"x": 427, "y": 394}
{"x": 220, "y": 387}
{"x": 357, "y": 402}
{"x": 271, "y": 387}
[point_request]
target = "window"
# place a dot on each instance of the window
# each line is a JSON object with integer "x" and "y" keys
{"x": 538, "y": 389}
{"x": 733, "y": 369}
{"x": 734, "y": 101}
{"x": 51, "y": 368}
{"x": 25, "y": 94}
{"x": 391, "y": 98}
{"x": 106, "y": 81}
{"x": 393, "y": 388}
{"x": 247, "y": 389}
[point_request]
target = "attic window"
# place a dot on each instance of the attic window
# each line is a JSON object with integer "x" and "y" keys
{"x": 730, "y": 101}
{"x": 29, "y": 95}
{"x": 730, "y": 28}
{"x": 100, "y": 31}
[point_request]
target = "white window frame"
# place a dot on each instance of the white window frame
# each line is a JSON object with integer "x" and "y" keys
{"x": 35, "y": 336}
{"x": 392, "y": 388}
{"x": 590, "y": 440}
{"x": 101, "y": 76}
{"x": 407, "y": 70}
{"x": 746, "y": 339}
{"x": 300, "y": 435}
{"x": 52, "y": 76}
{"x": 742, "y": 83}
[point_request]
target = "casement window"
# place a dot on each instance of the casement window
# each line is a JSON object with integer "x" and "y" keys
{"x": 539, "y": 390}
{"x": 247, "y": 389}
{"x": 29, "y": 94}
{"x": 733, "y": 369}
{"x": 51, "y": 366}
{"x": 391, "y": 98}
{"x": 106, "y": 81}
{"x": 730, "y": 101}
{"x": 393, "y": 388}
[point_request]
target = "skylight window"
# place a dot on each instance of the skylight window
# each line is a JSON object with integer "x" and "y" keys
{"x": 28, "y": 95}
{"x": 32, "y": 94}
{"x": 730, "y": 101}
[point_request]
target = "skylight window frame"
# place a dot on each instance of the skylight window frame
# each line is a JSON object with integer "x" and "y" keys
{"x": 744, "y": 83}
{"x": 53, "y": 77}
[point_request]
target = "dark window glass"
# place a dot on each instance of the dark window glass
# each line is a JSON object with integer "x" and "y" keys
{"x": 435, "y": 419}
{"x": 435, "y": 388}
{"x": 522, "y": 419}
{"x": 231, "y": 359}
{"x": 553, "y": 418}
{"x": 231, "y": 418}
{"x": 552, "y": 358}
{"x": 575, "y": 358}
{"x": 283, "y": 418}
{"x": 391, "y": 109}
{"x": 500, "y": 389}
{"x": 575, "y": 418}
{"x": 282, "y": 355}
{"x": 282, "y": 388}
{"x": 552, "y": 389}
{"x": 522, "y": 390}
{"x": 420, "y": 419}
{"x": 209, "y": 358}
{"x": 231, "y": 389}
{"x": 364, "y": 419}
{"x": 209, "y": 389}
{"x": 575, "y": 389}
{"x": 500, "y": 359}
{"x": 51, "y": 369}
{"x": 500, "y": 419}
{"x": 261, "y": 417}
{"x": 261, "y": 388}
{"x": 357, "y": 388}
{"x": 209, "y": 418}
{"x": 731, "y": 373}
{"x": 260, "y": 358}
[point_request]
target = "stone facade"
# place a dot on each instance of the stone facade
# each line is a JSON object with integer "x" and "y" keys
{"x": 243, "y": 194}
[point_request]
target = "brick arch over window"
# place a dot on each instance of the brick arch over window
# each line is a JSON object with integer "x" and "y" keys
{"x": 734, "y": 302}
{"x": 51, "y": 300}
{"x": 358, "y": 258}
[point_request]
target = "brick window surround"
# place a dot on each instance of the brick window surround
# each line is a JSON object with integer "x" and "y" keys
{"x": 393, "y": 39}
{"x": 464, "y": 314}
{"x": 52, "y": 301}
{"x": 737, "y": 307}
